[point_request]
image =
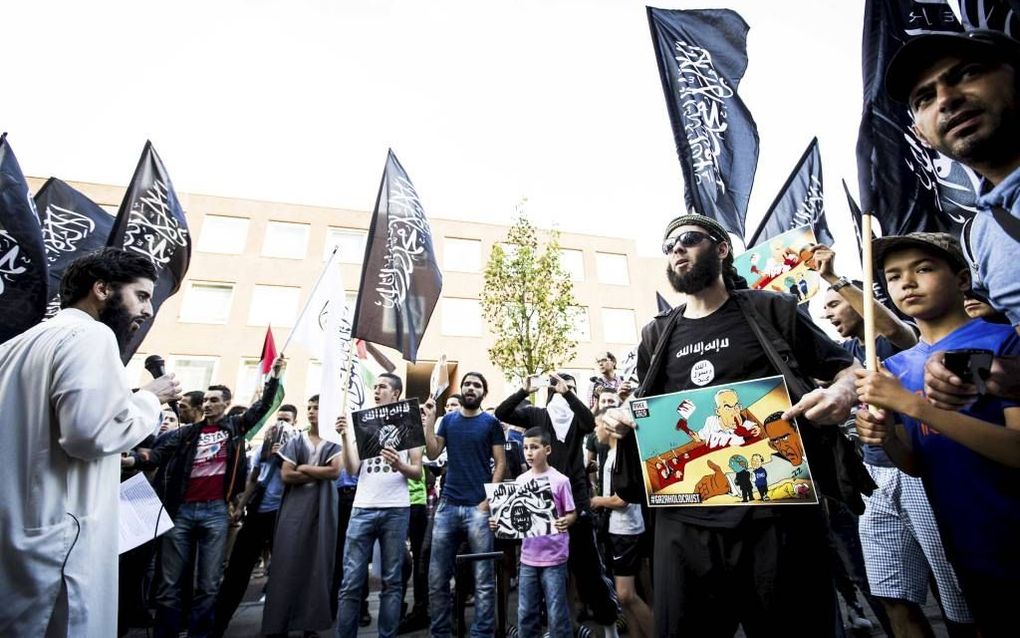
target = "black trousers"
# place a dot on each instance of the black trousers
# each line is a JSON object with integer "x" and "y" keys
{"x": 254, "y": 536}
{"x": 773, "y": 577}
{"x": 346, "y": 498}
{"x": 589, "y": 571}
{"x": 417, "y": 566}
{"x": 992, "y": 599}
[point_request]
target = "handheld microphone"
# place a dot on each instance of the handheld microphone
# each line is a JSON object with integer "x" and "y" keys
{"x": 591, "y": 379}
{"x": 155, "y": 365}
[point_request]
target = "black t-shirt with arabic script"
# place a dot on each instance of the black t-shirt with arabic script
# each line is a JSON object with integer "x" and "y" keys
{"x": 721, "y": 348}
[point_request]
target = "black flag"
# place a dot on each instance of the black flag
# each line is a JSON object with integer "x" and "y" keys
{"x": 401, "y": 282}
{"x": 72, "y": 225}
{"x": 799, "y": 202}
{"x": 151, "y": 222}
{"x": 1001, "y": 15}
{"x": 22, "y": 256}
{"x": 701, "y": 56}
{"x": 855, "y": 217}
{"x": 663, "y": 304}
{"x": 906, "y": 186}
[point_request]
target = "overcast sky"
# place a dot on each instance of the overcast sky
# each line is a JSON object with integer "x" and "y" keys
{"x": 484, "y": 103}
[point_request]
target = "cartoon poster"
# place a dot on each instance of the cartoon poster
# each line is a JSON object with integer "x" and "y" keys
{"x": 722, "y": 445}
{"x": 522, "y": 510}
{"x": 396, "y": 425}
{"x": 781, "y": 264}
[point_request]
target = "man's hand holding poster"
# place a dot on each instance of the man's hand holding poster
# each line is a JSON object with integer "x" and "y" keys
{"x": 394, "y": 425}
{"x": 722, "y": 445}
{"x": 522, "y": 510}
{"x": 781, "y": 264}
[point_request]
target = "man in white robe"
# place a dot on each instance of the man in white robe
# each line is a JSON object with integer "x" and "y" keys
{"x": 67, "y": 414}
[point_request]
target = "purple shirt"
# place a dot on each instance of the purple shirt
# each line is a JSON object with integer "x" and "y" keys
{"x": 547, "y": 551}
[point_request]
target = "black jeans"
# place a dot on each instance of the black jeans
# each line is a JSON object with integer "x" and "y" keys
{"x": 416, "y": 569}
{"x": 589, "y": 571}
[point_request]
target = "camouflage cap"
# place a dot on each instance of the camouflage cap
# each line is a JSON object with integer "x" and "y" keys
{"x": 943, "y": 244}
{"x": 714, "y": 228}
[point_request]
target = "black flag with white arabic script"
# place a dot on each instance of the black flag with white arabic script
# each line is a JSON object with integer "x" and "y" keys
{"x": 799, "y": 203}
{"x": 1000, "y": 15}
{"x": 22, "y": 257}
{"x": 72, "y": 225}
{"x": 401, "y": 281}
{"x": 702, "y": 56}
{"x": 905, "y": 185}
{"x": 151, "y": 222}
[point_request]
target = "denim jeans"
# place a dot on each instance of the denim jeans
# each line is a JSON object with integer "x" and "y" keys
{"x": 389, "y": 525}
{"x": 450, "y": 523}
{"x": 202, "y": 525}
{"x": 533, "y": 583}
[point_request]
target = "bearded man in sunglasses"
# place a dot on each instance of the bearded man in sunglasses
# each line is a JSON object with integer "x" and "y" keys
{"x": 707, "y": 558}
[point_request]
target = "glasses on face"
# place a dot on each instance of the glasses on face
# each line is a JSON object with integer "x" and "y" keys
{"x": 687, "y": 239}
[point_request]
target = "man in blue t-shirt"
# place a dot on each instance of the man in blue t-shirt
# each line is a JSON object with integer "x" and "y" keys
{"x": 471, "y": 437}
{"x": 969, "y": 459}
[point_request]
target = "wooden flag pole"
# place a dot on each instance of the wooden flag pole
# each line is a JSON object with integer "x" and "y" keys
{"x": 869, "y": 293}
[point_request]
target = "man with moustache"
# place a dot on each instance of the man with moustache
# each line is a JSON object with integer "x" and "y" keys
{"x": 706, "y": 557}
{"x": 68, "y": 413}
{"x": 962, "y": 92}
{"x": 471, "y": 437}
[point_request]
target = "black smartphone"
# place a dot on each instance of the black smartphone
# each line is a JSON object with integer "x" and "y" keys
{"x": 970, "y": 364}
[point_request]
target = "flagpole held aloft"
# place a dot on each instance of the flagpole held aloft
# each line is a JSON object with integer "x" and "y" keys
{"x": 311, "y": 295}
{"x": 869, "y": 294}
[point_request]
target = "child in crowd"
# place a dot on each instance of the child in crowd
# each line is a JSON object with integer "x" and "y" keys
{"x": 544, "y": 558}
{"x": 626, "y": 526}
{"x": 969, "y": 460}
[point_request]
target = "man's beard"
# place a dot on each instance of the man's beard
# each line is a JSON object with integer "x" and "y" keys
{"x": 703, "y": 271}
{"x": 471, "y": 403}
{"x": 115, "y": 315}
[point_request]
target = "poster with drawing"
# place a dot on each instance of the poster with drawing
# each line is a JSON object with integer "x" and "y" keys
{"x": 522, "y": 510}
{"x": 396, "y": 425}
{"x": 781, "y": 264}
{"x": 722, "y": 445}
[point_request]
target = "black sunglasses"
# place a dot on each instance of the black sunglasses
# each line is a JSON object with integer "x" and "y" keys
{"x": 687, "y": 239}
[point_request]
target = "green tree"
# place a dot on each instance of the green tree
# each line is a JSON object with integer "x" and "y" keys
{"x": 528, "y": 302}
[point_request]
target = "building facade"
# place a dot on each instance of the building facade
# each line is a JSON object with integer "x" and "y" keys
{"x": 255, "y": 263}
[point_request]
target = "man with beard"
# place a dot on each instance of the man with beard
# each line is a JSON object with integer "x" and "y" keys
{"x": 706, "y": 557}
{"x": 567, "y": 420}
{"x": 962, "y": 90}
{"x": 471, "y": 438}
{"x": 605, "y": 363}
{"x": 69, "y": 412}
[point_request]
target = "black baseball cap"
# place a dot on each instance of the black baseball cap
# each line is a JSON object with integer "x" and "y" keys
{"x": 919, "y": 53}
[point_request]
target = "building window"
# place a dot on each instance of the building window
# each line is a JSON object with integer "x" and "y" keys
{"x": 207, "y": 302}
{"x": 581, "y": 330}
{"x": 223, "y": 234}
{"x": 618, "y": 325}
{"x": 462, "y": 255}
{"x": 350, "y": 244}
{"x": 573, "y": 262}
{"x": 193, "y": 373}
{"x": 461, "y": 318}
{"x": 284, "y": 239}
{"x": 273, "y": 305}
{"x": 247, "y": 381}
{"x": 612, "y": 269}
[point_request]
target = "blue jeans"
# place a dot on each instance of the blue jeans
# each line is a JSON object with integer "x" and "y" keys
{"x": 389, "y": 525}
{"x": 450, "y": 522}
{"x": 203, "y": 526}
{"x": 552, "y": 581}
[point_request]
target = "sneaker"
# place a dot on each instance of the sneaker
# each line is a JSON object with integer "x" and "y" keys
{"x": 583, "y": 632}
{"x": 511, "y": 632}
{"x": 621, "y": 624}
{"x": 856, "y": 618}
{"x": 365, "y": 620}
{"x": 414, "y": 622}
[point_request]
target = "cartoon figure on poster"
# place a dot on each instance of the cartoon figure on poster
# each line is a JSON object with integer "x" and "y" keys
{"x": 722, "y": 445}
{"x": 522, "y": 510}
{"x": 782, "y": 263}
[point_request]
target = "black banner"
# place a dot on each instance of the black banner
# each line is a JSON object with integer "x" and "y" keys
{"x": 800, "y": 202}
{"x": 1000, "y": 15}
{"x": 395, "y": 425}
{"x": 702, "y": 56}
{"x": 855, "y": 217}
{"x": 907, "y": 186}
{"x": 661, "y": 302}
{"x": 401, "y": 281}
{"x": 22, "y": 256}
{"x": 151, "y": 222}
{"x": 72, "y": 225}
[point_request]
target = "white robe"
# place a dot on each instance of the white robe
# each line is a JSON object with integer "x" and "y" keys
{"x": 66, "y": 413}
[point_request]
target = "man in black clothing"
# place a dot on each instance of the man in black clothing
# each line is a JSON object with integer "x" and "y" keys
{"x": 766, "y": 567}
{"x": 568, "y": 420}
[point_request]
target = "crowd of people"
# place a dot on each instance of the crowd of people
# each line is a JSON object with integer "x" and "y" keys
{"x": 914, "y": 461}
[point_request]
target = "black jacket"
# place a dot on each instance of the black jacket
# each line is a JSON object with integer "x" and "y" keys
{"x": 176, "y": 450}
{"x": 835, "y": 467}
{"x": 567, "y": 456}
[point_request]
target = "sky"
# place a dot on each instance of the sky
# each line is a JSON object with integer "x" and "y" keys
{"x": 484, "y": 103}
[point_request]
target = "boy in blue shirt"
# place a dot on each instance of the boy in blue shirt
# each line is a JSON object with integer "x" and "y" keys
{"x": 969, "y": 460}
